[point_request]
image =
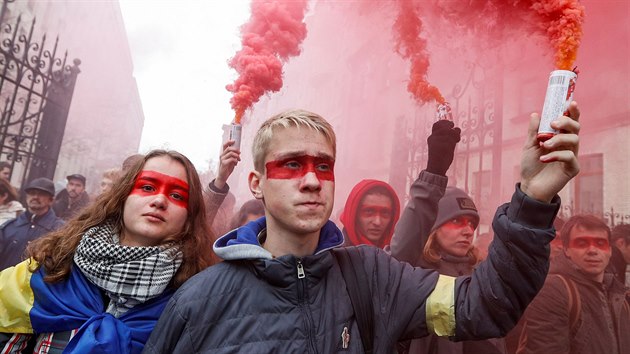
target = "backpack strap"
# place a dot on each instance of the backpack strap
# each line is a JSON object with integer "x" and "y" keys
{"x": 574, "y": 302}
{"x": 357, "y": 284}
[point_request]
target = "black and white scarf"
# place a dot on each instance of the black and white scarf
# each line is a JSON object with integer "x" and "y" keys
{"x": 128, "y": 275}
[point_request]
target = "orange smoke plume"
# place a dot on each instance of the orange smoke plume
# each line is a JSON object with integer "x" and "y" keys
{"x": 273, "y": 34}
{"x": 410, "y": 45}
{"x": 563, "y": 23}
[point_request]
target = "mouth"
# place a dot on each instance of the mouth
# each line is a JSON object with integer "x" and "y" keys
{"x": 311, "y": 204}
{"x": 154, "y": 217}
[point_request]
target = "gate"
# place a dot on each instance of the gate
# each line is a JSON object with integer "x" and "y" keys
{"x": 36, "y": 88}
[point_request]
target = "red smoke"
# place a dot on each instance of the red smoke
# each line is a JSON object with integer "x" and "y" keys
{"x": 272, "y": 35}
{"x": 410, "y": 45}
{"x": 563, "y": 23}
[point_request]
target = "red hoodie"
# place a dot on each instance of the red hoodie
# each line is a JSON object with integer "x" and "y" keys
{"x": 349, "y": 215}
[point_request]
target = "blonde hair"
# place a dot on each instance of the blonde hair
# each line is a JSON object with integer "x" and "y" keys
{"x": 432, "y": 252}
{"x": 292, "y": 118}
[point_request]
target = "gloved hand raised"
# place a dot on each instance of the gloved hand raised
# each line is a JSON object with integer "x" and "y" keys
{"x": 442, "y": 141}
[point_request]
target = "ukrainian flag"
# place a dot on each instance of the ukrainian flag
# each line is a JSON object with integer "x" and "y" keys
{"x": 30, "y": 305}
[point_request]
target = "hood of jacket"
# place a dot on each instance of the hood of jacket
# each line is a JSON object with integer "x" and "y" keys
{"x": 243, "y": 243}
{"x": 351, "y": 209}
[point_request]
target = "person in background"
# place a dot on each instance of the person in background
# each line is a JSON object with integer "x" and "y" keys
{"x": 5, "y": 170}
{"x": 109, "y": 179}
{"x": 219, "y": 200}
{"x": 450, "y": 251}
{"x": 251, "y": 210}
{"x": 71, "y": 200}
{"x": 581, "y": 308}
{"x": 10, "y": 208}
{"x": 131, "y": 161}
{"x": 620, "y": 259}
{"x": 99, "y": 284}
{"x": 37, "y": 221}
{"x": 280, "y": 287}
{"x": 370, "y": 214}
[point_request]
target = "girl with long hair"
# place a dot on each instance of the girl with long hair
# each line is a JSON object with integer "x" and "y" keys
{"x": 10, "y": 208}
{"x": 100, "y": 283}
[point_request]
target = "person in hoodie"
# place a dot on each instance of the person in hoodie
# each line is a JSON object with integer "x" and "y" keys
{"x": 280, "y": 288}
{"x": 372, "y": 209}
{"x": 99, "y": 284}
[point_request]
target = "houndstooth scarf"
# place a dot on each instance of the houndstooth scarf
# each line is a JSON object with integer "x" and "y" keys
{"x": 128, "y": 275}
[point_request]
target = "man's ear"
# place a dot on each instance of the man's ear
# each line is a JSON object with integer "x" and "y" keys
{"x": 254, "y": 180}
{"x": 620, "y": 242}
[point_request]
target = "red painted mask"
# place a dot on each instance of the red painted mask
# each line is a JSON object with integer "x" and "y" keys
{"x": 459, "y": 222}
{"x": 368, "y": 211}
{"x": 584, "y": 242}
{"x": 299, "y": 166}
{"x": 153, "y": 183}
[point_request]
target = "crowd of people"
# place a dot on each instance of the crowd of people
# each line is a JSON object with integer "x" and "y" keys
{"x": 158, "y": 263}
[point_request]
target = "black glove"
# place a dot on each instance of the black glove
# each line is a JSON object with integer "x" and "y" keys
{"x": 442, "y": 141}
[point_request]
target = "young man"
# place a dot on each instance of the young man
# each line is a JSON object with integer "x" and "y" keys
{"x": 581, "y": 308}
{"x": 73, "y": 198}
{"x": 280, "y": 288}
{"x": 371, "y": 212}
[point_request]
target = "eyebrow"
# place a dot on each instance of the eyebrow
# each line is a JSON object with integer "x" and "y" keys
{"x": 288, "y": 155}
{"x": 154, "y": 180}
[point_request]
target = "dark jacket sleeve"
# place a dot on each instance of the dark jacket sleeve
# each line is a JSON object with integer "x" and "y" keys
{"x": 169, "y": 336}
{"x": 418, "y": 217}
{"x": 546, "y": 325}
{"x": 490, "y": 302}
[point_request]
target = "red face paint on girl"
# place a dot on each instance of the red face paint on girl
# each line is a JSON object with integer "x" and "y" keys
{"x": 584, "y": 242}
{"x": 299, "y": 166}
{"x": 153, "y": 183}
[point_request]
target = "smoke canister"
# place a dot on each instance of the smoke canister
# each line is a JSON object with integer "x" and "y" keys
{"x": 444, "y": 111}
{"x": 235, "y": 134}
{"x": 559, "y": 96}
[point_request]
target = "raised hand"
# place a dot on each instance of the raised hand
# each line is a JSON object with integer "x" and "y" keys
{"x": 228, "y": 160}
{"x": 442, "y": 141}
{"x": 547, "y": 167}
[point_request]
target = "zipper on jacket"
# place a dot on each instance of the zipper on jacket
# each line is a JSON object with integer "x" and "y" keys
{"x": 303, "y": 303}
{"x": 300, "y": 269}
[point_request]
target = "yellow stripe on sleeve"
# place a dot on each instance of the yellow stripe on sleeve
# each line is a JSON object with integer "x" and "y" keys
{"x": 441, "y": 307}
{"x": 16, "y": 298}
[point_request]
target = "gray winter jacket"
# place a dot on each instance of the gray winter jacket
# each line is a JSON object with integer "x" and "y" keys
{"x": 254, "y": 303}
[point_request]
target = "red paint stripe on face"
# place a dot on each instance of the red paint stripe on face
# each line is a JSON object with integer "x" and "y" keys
{"x": 151, "y": 183}
{"x": 369, "y": 211}
{"x": 584, "y": 242}
{"x": 298, "y": 166}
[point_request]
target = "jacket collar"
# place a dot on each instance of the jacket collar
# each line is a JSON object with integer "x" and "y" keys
{"x": 47, "y": 221}
{"x": 243, "y": 243}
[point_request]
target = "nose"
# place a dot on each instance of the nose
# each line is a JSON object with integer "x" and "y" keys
{"x": 468, "y": 230}
{"x": 377, "y": 220}
{"x": 159, "y": 201}
{"x": 310, "y": 182}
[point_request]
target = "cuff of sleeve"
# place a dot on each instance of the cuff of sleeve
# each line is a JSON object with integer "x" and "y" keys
{"x": 214, "y": 188}
{"x": 530, "y": 212}
{"x": 432, "y": 178}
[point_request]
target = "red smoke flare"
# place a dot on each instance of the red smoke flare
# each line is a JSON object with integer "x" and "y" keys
{"x": 410, "y": 45}
{"x": 272, "y": 35}
{"x": 563, "y": 23}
